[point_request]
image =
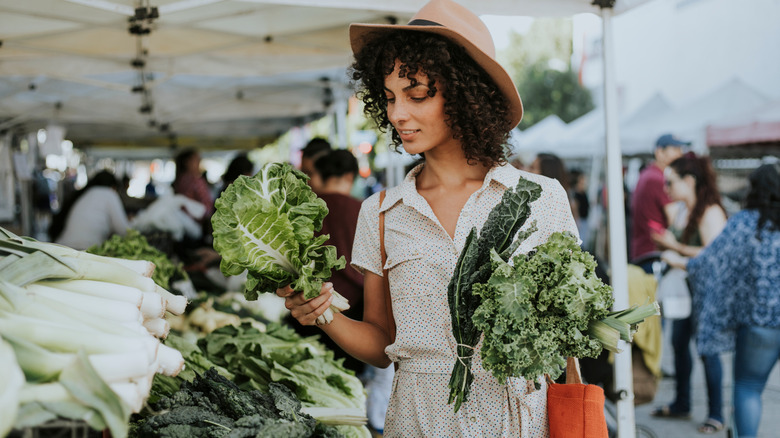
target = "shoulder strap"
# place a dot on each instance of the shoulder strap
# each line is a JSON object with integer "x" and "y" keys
{"x": 572, "y": 370}
{"x": 385, "y": 279}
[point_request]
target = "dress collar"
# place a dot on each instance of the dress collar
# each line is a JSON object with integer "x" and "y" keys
{"x": 407, "y": 190}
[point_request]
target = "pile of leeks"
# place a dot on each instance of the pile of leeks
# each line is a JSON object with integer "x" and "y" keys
{"x": 79, "y": 335}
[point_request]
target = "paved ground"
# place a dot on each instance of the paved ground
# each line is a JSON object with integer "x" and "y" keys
{"x": 666, "y": 428}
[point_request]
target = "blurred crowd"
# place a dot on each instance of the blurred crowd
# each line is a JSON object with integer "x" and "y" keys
{"x": 717, "y": 275}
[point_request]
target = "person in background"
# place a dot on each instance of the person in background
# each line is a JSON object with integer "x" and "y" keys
{"x": 90, "y": 215}
{"x": 580, "y": 202}
{"x": 316, "y": 148}
{"x": 338, "y": 170}
{"x": 436, "y": 87}
{"x": 651, "y": 209}
{"x": 240, "y": 165}
{"x": 735, "y": 289}
{"x": 550, "y": 166}
{"x": 691, "y": 180}
{"x": 190, "y": 182}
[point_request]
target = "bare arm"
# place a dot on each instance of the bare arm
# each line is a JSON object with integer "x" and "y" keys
{"x": 365, "y": 340}
{"x": 710, "y": 226}
{"x": 713, "y": 221}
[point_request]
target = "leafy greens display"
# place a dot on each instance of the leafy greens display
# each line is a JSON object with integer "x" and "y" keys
{"x": 265, "y": 224}
{"x": 473, "y": 266}
{"x": 536, "y": 313}
{"x": 534, "y": 309}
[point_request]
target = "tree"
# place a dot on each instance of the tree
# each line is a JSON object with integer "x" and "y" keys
{"x": 540, "y": 63}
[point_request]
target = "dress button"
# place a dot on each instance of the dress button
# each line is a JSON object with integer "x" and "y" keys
{"x": 473, "y": 419}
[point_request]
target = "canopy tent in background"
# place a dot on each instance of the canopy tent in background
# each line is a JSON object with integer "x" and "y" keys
{"x": 734, "y": 100}
{"x": 584, "y": 136}
{"x": 632, "y": 142}
{"x": 690, "y": 121}
{"x": 221, "y": 73}
{"x": 538, "y": 137}
{"x": 761, "y": 125}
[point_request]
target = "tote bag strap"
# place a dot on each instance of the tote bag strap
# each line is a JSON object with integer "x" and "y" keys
{"x": 572, "y": 370}
{"x": 385, "y": 279}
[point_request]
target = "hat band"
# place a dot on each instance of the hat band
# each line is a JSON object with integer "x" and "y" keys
{"x": 420, "y": 22}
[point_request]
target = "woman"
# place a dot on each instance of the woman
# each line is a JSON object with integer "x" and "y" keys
{"x": 691, "y": 181}
{"x": 736, "y": 281}
{"x": 91, "y": 215}
{"x": 436, "y": 85}
{"x": 189, "y": 181}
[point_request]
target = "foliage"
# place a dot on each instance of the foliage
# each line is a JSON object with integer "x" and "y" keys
{"x": 473, "y": 266}
{"x": 547, "y": 91}
{"x": 540, "y": 63}
{"x": 213, "y": 406}
{"x": 134, "y": 246}
{"x": 538, "y": 312}
{"x": 265, "y": 224}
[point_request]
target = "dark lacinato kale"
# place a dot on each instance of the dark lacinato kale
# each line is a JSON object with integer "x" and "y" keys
{"x": 212, "y": 406}
{"x": 473, "y": 266}
{"x": 195, "y": 418}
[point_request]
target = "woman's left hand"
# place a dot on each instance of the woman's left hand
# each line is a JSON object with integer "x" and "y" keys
{"x": 675, "y": 259}
{"x": 665, "y": 239}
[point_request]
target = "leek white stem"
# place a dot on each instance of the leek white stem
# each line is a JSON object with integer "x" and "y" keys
{"x": 115, "y": 310}
{"x": 158, "y": 327}
{"x": 129, "y": 393}
{"x": 175, "y": 304}
{"x": 170, "y": 361}
{"x": 102, "y": 289}
{"x": 152, "y": 306}
{"x": 41, "y": 365}
{"x": 66, "y": 338}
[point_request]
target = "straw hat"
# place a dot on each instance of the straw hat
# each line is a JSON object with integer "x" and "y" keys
{"x": 458, "y": 24}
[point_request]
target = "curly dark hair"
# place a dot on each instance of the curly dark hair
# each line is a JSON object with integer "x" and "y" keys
{"x": 764, "y": 196}
{"x": 706, "y": 188}
{"x": 476, "y": 110}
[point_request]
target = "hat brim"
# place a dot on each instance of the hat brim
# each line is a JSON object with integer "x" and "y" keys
{"x": 360, "y": 34}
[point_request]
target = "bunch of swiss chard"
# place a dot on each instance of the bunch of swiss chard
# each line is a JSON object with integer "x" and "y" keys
{"x": 265, "y": 225}
{"x": 534, "y": 309}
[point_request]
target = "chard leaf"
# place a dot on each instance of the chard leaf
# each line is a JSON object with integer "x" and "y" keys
{"x": 265, "y": 224}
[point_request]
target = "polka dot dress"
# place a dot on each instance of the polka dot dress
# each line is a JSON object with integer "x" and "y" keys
{"x": 421, "y": 258}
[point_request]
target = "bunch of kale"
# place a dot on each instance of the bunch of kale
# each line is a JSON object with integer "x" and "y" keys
{"x": 211, "y": 406}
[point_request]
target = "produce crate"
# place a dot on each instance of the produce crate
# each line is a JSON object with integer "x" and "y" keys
{"x": 58, "y": 429}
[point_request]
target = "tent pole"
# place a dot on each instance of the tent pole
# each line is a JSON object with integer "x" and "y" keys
{"x": 617, "y": 231}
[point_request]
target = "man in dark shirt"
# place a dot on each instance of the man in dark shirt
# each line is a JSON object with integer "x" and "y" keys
{"x": 338, "y": 169}
{"x": 651, "y": 208}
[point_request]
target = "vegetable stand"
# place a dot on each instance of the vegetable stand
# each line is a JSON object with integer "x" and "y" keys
{"x": 66, "y": 324}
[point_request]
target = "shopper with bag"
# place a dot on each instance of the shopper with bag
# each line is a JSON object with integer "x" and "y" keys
{"x": 735, "y": 281}
{"x": 691, "y": 179}
{"x": 436, "y": 86}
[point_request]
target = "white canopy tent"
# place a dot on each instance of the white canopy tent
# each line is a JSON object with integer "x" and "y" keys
{"x": 690, "y": 121}
{"x": 219, "y": 70}
{"x": 538, "y": 136}
{"x": 584, "y": 137}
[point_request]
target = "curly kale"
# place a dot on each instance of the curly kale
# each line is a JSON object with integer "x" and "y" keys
{"x": 536, "y": 313}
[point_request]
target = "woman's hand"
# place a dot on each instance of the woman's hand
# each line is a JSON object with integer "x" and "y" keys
{"x": 665, "y": 240}
{"x": 305, "y": 311}
{"x": 675, "y": 259}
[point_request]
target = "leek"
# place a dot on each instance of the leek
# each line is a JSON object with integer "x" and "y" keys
{"x": 337, "y": 416}
{"x": 11, "y": 383}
